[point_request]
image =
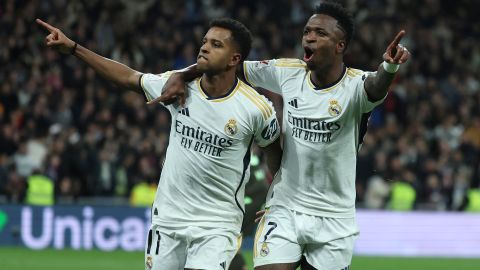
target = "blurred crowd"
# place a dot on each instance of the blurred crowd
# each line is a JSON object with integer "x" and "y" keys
{"x": 60, "y": 121}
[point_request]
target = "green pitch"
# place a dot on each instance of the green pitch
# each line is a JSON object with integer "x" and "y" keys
{"x": 398, "y": 263}
{"x": 23, "y": 259}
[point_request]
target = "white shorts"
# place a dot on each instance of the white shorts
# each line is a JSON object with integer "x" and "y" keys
{"x": 284, "y": 235}
{"x": 192, "y": 247}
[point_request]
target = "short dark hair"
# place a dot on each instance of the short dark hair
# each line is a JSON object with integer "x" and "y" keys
{"x": 240, "y": 34}
{"x": 343, "y": 17}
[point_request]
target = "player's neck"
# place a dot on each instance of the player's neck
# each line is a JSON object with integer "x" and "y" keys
{"x": 322, "y": 77}
{"x": 218, "y": 85}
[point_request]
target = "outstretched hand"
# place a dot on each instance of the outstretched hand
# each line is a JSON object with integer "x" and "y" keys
{"x": 396, "y": 53}
{"x": 173, "y": 90}
{"x": 56, "y": 39}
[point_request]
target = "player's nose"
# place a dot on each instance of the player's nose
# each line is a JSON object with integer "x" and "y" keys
{"x": 310, "y": 38}
{"x": 205, "y": 48}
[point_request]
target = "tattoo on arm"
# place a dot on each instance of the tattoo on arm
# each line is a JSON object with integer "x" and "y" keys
{"x": 377, "y": 85}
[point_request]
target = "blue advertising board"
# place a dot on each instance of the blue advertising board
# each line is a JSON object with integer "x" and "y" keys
{"x": 76, "y": 227}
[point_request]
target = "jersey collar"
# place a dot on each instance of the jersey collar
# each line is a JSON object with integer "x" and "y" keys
{"x": 227, "y": 95}
{"x": 327, "y": 87}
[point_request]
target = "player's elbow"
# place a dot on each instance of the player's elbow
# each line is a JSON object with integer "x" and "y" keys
{"x": 376, "y": 94}
{"x": 131, "y": 81}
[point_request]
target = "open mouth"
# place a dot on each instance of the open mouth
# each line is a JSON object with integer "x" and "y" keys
{"x": 308, "y": 54}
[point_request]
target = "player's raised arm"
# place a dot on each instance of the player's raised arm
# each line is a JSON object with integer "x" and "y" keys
{"x": 113, "y": 71}
{"x": 377, "y": 86}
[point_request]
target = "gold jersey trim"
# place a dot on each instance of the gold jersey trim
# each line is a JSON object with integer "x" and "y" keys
{"x": 239, "y": 242}
{"x": 245, "y": 74}
{"x": 258, "y": 233}
{"x": 352, "y": 72}
{"x": 257, "y": 100}
{"x": 290, "y": 62}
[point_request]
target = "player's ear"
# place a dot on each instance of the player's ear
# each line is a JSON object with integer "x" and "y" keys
{"x": 341, "y": 46}
{"x": 236, "y": 58}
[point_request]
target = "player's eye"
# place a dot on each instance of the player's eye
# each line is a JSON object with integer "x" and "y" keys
{"x": 305, "y": 32}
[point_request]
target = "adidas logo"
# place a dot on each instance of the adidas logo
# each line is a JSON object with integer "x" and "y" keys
{"x": 223, "y": 265}
{"x": 155, "y": 212}
{"x": 185, "y": 112}
{"x": 293, "y": 103}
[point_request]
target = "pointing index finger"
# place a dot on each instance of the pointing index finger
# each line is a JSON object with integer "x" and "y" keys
{"x": 397, "y": 39}
{"x": 45, "y": 25}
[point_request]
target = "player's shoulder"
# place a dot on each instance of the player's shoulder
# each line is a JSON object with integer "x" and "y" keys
{"x": 278, "y": 63}
{"x": 354, "y": 76}
{"x": 167, "y": 74}
{"x": 255, "y": 102}
{"x": 354, "y": 72}
{"x": 155, "y": 78}
{"x": 290, "y": 63}
{"x": 288, "y": 68}
{"x": 163, "y": 75}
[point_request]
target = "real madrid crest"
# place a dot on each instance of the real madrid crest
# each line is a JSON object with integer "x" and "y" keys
{"x": 334, "y": 109}
{"x": 231, "y": 127}
{"x": 264, "y": 251}
{"x": 149, "y": 263}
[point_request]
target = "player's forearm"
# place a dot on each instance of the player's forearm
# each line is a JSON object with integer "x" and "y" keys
{"x": 377, "y": 86}
{"x": 273, "y": 154}
{"x": 113, "y": 71}
{"x": 189, "y": 73}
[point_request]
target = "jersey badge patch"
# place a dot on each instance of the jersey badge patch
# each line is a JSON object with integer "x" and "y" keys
{"x": 334, "y": 109}
{"x": 149, "y": 263}
{"x": 271, "y": 130}
{"x": 265, "y": 250}
{"x": 231, "y": 127}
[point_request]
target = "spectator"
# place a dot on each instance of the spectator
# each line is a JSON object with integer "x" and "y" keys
{"x": 403, "y": 193}
{"x": 143, "y": 194}
{"x": 15, "y": 188}
{"x": 40, "y": 190}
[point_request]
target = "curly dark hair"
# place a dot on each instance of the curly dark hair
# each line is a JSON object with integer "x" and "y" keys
{"x": 343, "y": 17}
{"x": 240, "y": 34}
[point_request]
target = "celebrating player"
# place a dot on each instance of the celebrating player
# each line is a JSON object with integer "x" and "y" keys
{"x": 311, "y": 204}
{"x": 199, "y": 204}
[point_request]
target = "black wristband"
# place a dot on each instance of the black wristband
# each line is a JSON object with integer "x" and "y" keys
{"x": 74, "y": 48}
{"x": 140, "y": 82}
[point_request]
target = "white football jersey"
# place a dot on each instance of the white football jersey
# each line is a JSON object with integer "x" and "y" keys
{"x": 207, "y": 162}
{"x": 323, "y": 129}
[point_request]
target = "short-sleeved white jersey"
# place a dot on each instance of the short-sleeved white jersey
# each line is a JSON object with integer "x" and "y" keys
{"x": 207, "y": 162}
{"x": 323, "y": 129}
